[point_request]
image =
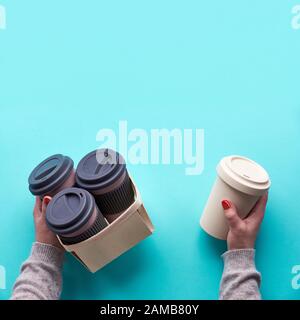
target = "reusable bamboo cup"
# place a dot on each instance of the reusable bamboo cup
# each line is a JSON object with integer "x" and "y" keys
{"x": 51, "y": 176}
{"x": 239, "y": 180}
{"x": 74, "y": 216}
{"x": 103, "y": 173}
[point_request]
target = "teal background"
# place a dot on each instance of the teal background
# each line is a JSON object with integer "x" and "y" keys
{"x": 69, "y": 68}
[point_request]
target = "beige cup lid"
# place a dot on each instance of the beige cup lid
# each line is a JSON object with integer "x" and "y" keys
{"x": 244, "y": 175}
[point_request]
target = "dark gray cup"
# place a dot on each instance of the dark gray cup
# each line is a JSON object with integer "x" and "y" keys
{"x": 74, "y": 216}
{"x": 103, "y": 173}
{"x": 52, "y": 175}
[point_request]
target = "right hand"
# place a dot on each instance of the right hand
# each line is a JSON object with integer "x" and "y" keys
{"x": 242, "y": 232}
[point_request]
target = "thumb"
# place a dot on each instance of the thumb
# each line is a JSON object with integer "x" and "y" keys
{"x": 231, "y": 214}
{"x": 46, "y": 201}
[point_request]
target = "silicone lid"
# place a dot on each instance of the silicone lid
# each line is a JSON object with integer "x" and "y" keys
{"x": 50, "y": 174}
{"x": 100, "y": 169}
{"x": 69, "y": 210}
{"x": 244, "y": 175}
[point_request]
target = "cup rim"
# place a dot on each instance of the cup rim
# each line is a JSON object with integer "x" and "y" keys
{"x": 255, "y": 185}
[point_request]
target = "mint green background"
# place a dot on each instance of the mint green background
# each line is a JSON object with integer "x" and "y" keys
{"x": 68, "y": 69}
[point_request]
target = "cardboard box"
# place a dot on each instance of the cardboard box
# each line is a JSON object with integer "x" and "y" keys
{"x": 131, "y": 227}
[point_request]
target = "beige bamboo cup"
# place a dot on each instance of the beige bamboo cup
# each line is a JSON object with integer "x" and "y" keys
{"x": 239, "y": 180}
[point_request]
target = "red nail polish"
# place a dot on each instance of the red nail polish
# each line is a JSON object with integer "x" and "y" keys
{"x": 47, "y": 200}
{"x": 226, "y": 204}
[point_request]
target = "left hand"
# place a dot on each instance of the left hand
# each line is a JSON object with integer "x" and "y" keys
{"x": 42, "y": 232}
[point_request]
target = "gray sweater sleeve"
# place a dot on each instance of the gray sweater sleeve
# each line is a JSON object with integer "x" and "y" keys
{"x": 41, "y": 274}
{"x": 240, "y": 280}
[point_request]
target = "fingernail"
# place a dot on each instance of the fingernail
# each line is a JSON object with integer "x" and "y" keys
{"x": 47, "y": 200}
{"x": 226, "y": 204}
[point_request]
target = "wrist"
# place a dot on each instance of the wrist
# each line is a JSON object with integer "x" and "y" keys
{"x": 234, "y": 243}
{"x": 240, "y": 246}
{"x": 52, "y": 241}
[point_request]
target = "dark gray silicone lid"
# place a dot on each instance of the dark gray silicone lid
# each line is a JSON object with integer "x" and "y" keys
{"x": 100, "y": 169}
{"x": 50, "y": 174}
{"x": 69, "y": 210}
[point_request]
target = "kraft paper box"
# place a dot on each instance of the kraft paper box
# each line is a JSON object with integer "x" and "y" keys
{"x": 130, "y": 228}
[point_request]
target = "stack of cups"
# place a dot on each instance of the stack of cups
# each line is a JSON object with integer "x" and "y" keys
{"x": 104, "y": 192}
{"x": 104, "y": 174}
{"x": 239, "y": 180}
